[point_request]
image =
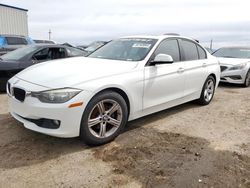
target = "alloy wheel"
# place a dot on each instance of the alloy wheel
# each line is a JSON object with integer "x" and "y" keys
{"x": 209, "y": 90}
{"x": 105, "y": 118}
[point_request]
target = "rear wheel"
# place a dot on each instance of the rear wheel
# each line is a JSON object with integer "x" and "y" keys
{"x": 104, "y": 118}
{"x": 247, "y": 80}
{"x": 207, "y": 91}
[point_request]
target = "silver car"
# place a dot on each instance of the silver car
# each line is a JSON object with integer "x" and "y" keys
{"x": 234, "y": 64}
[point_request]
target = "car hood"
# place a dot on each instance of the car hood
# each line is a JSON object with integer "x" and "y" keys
{"x": 232, "y": 61}
{"x": 73, "y": 71}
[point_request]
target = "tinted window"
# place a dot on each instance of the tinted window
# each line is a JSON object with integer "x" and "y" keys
{"x": 16, "y": 41}
{"x": 57, "y": 53}
{"x": 169, "y": 47}
{"x": 50, "y": 53}
{"x": 42, "y": 55}
{"x": 190, "y": 50}
{"x": 202, "y": 53}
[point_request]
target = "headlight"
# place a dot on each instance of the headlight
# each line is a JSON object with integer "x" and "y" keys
{"x": 238, "y": 67}
{"x": 56, "y": 96}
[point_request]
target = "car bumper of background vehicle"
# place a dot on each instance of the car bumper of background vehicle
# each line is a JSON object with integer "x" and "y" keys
{"x": 235, "y": 76}
{"x": 43, "y": 117}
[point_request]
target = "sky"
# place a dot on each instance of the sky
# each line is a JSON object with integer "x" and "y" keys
{"x": 226, "y": 22}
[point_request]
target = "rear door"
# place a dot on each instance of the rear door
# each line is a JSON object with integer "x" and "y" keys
{"x": 195, "y": 66}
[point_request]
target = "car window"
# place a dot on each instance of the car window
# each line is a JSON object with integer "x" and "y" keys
{"x": 49, "y": 54}
{"x": 16, "y": 41}
{"x": 190, "y": 50}
{"x": 202, "y": 53}
{"x": 57, "y": 53}
{"x": 169, "y": 47}
{"x": 19, "y": 53}
{"x": 42, "y": 55}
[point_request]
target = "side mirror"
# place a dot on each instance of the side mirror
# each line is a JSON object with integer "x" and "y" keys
{"x": 162, "y": 59}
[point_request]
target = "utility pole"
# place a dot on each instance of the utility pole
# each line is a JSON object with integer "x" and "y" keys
{"x": 50, "y": 34}
{"x": 211, "y": 44}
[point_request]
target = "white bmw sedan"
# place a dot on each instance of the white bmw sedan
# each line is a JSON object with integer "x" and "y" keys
{"x": 94, "y": 97}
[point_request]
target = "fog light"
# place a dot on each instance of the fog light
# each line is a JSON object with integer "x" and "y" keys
{"x": 56, "y": 122}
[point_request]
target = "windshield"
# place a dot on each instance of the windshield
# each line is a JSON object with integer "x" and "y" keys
{"x": 19, "y": 53}
{"x": 243, "y": 53}
{"x": 126, "y": 49}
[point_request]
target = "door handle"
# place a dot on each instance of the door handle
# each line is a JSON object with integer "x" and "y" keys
{"x": 204, "y": 65}
{"x": 180, "y": 70}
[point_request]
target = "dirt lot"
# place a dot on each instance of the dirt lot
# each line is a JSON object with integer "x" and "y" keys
{"x": 186, "y": 146}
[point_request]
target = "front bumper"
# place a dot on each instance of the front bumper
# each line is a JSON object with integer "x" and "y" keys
{"x": 32, "y": 109}
{"x": 232, "y": 76}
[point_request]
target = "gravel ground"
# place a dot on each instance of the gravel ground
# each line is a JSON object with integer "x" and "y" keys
{"x": 185, "y": 146}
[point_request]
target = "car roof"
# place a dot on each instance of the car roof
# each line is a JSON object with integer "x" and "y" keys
{"x": 159, "y": 37}
{"x": 49, "y": 45}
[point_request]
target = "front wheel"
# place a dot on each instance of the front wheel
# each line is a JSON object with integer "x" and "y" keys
{"x": 207, "y": 91}
{"x": 104, "y": 118}
{"x": 247, "y": 80}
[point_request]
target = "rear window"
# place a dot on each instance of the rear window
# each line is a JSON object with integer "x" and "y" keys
{"x": 202, "y": 53}
{"x": 16, "y": 41}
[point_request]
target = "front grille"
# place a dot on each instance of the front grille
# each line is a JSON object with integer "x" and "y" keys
{"x": 19, "y": 94}
{"x": 222, "y": 68}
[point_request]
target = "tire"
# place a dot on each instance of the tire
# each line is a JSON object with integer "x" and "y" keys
{"x": 104, "y": 118}
{"x": 247, "y": 80}
{"x": 206, "y": 97}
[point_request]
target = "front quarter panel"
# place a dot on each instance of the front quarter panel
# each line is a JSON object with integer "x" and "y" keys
{"x": 130, "y": 82}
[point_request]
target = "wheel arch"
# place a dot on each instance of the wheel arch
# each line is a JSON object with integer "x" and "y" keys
{"x": 119, "y": 91}
{"x": 214, "y": 76}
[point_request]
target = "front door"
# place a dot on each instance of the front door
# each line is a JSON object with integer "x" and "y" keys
{"x": 164, "y": 83}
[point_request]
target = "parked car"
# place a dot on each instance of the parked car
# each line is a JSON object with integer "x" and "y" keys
{"x": 128, "y": 78}
{"x": 94, "y": 46}
{"x": 37, "y": 41}
{"x": 235, "y": 64}
{"x": 15, "y": 61}
{"x": 12, "y": 42}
